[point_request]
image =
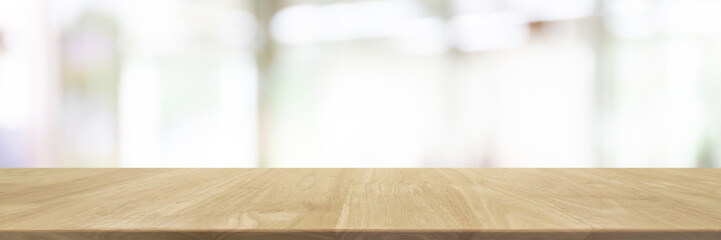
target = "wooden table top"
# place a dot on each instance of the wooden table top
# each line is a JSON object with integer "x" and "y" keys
{"x": 349, "y": 204}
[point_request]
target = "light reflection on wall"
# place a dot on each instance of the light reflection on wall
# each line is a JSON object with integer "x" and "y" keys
{"x": 188, "y": 92}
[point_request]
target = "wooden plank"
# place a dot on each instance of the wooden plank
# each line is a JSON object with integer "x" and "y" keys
{"x": 352, "y": 204}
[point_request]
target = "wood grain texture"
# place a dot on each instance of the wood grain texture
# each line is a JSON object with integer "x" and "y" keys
{"x": 359, "y": 204}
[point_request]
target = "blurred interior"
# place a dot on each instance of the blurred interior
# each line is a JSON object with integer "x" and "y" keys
{"x": 393, "y": 83}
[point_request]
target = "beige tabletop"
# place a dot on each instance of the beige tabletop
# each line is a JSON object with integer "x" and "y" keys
{"x": 352, "y": 204}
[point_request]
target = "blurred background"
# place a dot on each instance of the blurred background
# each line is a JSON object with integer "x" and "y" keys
{"x": 393, "y": 83}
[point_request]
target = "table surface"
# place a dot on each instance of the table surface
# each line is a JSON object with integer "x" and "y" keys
{"x": 360, "y": 203}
